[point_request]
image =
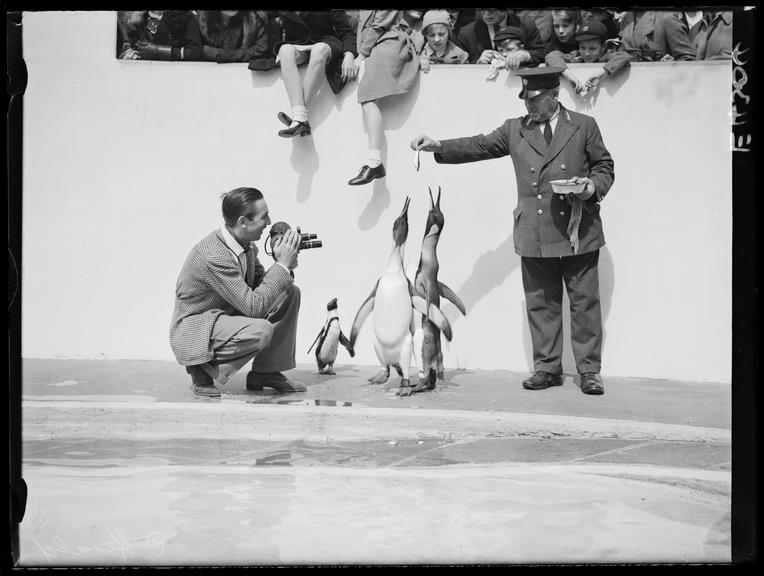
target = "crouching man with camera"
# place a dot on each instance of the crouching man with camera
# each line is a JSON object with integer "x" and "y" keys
{"x": 229, "y": 309}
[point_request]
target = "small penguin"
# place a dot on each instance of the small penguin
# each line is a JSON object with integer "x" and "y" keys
{"x": 393, "y": 301}
{"x": 427, "y": 350}
{"x": 328, "y": 340}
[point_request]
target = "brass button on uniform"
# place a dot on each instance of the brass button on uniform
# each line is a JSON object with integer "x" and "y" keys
{"x": 562, "y": 166}
{"x": 539, "y": 196}
{"x": 562, "y": 213}
{"x": 533, "y": 169}
{"x": 541, "y": 211}
{"x": 535, "y": 184}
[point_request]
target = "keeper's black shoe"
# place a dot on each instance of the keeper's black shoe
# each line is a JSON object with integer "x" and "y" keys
{"x": 542, "y": 380}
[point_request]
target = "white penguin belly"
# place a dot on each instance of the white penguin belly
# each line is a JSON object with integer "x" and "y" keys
{"x": 328, "y": 351}
{"x": 392, "y": 310}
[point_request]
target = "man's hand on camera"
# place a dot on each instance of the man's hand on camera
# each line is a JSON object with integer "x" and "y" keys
{"x": 286, "y": 248}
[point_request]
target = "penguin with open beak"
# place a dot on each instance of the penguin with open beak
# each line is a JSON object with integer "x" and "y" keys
{"x": 427, "y": 348}
{"x": 328, "y": 340}
{"x": 393, "y": 301}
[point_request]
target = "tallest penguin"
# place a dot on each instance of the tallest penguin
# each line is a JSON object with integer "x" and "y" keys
{"x": 393, "y": 301}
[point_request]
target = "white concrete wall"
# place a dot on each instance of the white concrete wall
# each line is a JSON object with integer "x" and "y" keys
{"x": 124, "y": 163}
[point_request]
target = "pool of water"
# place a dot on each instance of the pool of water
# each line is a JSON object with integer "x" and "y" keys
{"x": 142, "y": 510}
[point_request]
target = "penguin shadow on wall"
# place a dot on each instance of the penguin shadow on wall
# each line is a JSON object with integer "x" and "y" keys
{"x": 607, "y": 283}
{"x": 491, "y": 269}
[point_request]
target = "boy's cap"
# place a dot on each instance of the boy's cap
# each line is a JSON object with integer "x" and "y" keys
{"x": 435, "y": 17}
{"x": 538, "y": 80}
{"x": 593, "y": 31}
{"x": 509, "y": 33}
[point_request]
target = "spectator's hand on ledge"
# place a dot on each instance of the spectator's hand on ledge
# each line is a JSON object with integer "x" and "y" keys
{"x": 578, "y": 86}
{"x": 667, "y": 58}
{"x": 130, "y": 54}
{"x": 286, "y": 248}
{"x": 424, "y": 64}
{"x": 593, "y": 82}
{"x": 425, "y": 143}
{"x": 349, "y": 67}
{"x": 515, "y": 59}
{"x": 487, "y": 56}
{"x": 359, "y": 59}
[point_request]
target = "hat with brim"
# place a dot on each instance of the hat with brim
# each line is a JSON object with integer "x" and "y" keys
{"x": 538, "y": 80}
{"x": 509, "y": 33}
{"x": 593, "y": 31}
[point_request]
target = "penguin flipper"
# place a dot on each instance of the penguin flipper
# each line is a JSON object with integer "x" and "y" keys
{"x": 346, "y": 343}
{"x": 450, "y": 295}
{"x": 320, "y": 333}
{"x": 361, "y": 316}
{"x": 434, "y": 314}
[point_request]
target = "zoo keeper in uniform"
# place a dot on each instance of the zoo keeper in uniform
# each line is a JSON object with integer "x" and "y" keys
{"x": 558, "y": 237}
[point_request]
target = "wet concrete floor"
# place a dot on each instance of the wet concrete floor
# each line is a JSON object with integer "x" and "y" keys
{"x": 327, "y": 492}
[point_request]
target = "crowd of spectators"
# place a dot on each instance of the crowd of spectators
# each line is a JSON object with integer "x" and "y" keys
{"x": 247, "y": 35}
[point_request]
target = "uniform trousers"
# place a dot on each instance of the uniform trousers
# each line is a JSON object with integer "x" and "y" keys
{"x": 543, "y": 280}
{"x": 270, "y": 341}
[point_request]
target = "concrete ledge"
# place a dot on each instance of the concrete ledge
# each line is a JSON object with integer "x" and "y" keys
{"x": 46, "y": 420}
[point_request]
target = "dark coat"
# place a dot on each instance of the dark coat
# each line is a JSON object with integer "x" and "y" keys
{"x": 244, "y": 37}
{"x": 541, "y": 217}
{"x": 474, "y": 39}
{"x": 329, "y": 26}
{"x": 177, "y": 28}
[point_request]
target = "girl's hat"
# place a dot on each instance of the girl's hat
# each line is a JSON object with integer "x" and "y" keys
{"x": 436, "y": 17}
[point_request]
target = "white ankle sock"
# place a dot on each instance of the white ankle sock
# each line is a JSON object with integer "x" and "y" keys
{"x": 299, "y": 114}
{"x": 375, "y": 158}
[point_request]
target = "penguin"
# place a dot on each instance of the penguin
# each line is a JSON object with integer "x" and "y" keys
{"x": 393, "y": 301}
{"x": 427, "y": 349}
{"x": 328, "y": 339}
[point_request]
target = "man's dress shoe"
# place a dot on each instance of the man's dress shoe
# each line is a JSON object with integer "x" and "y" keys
{"x": 367, "y": 174}
{"x": 257, "y": 381}
{"x": 201, "y": 382}
{"x": 299, "y": 129}
{"x": 542, "y": 380}
{"x": 591, "y": 383}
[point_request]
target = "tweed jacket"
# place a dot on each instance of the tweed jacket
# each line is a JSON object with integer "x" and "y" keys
{"x": 211, "y": 284}
{"x": 541, "y": 217}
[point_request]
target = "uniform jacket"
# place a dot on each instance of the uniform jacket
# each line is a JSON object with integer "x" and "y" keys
{"x": 329, "y": 26}
{"x": 474, "y": 39}
{"x": 541, "y": 217}
{"x": 210, "y": 284}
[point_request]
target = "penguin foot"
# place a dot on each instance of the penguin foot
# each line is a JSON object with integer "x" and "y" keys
{"x": 380, "y": 377}
{"x": 423, "y": 386}
{"x": 405, "y": 389}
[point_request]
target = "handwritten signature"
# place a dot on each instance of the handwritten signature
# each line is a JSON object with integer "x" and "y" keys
{"x": 58, "y": 548}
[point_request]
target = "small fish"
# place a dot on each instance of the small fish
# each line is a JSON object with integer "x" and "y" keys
{"x": 416, "y": 159}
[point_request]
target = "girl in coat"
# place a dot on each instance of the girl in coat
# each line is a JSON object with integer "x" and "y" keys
{"x": 326, "y": 42}
{"x": 438, "y": 47}
{"x": 391, "y": 66}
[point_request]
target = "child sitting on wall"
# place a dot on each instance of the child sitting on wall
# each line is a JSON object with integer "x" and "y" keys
{"x": 438, "y": 47}
{"x": 592, "y": 39}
